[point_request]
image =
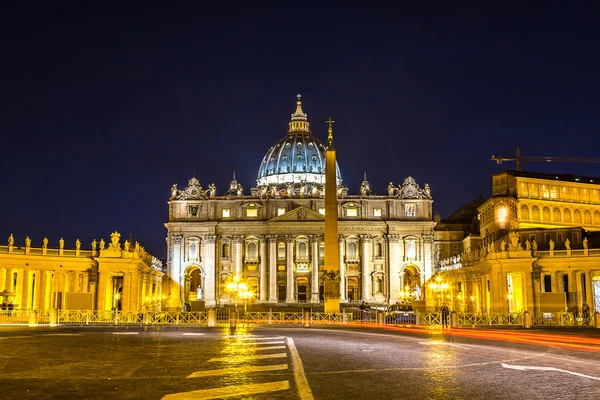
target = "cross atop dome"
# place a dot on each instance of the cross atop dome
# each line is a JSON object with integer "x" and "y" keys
{"x": 299, "y": 122}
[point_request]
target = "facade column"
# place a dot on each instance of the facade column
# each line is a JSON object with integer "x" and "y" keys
{"x": 427, "y": 259}
{"x": 272, "y": 268}
{"x": 290, "y": 269}
{"x": 343, "y": 283}
{"x": 176, "y": 291}
{"x": 365, "y": 259}
{"x": 210, "y": 273}
{"x": 314, "y": 273}
{"x": 263, "y": 269}
{"x": 237, "y": 255}
{"x": 394, "y": 268}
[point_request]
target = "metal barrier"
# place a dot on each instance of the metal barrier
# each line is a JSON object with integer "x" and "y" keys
{"x": 222, "y": 317}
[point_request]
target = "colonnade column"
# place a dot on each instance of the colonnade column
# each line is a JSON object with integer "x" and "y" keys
{"x": 554, "y": 281}
{"x": 272, "y": 268}
{"x": 365, "y": 266}
{"x": 3, "y": 279}
{"x": 263, "y": 269}
{"x": 314, "y": 272}
{"x": 237, "y": 255}
{"x": 289, "y": 269}
{"x": 589, "y": 291}
{"x": 394, "y": 267}
{"x": 343, "y": 291}
{"x": 208, "y": 259}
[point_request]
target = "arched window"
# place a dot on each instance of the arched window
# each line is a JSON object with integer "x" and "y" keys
{"x": 193, "y": 251}
{"x": 411, "y": 250}
{"x": 252, "y": 251}
{"x": 281, "y": 250}
{"x": 302, "y": 250}
{"x": 587, "y": 217}
{"x": 535, "y": 213}
{"x": 225, "y": 250}
{"x": 377, "y": 249}
{"x": 557, "y": 217}
{"x": 351, "y": 252}
{"x": 524, "y": 212}
{"x": 577, "y": 218}
{"x": 546, "y": 214}
{"x": 567, "y": 216}
{"x": 597, "y": 218}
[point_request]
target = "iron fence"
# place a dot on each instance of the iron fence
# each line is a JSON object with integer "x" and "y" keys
{"x": 222, "y": 316}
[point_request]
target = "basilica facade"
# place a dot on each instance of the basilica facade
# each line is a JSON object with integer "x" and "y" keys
{"x": 271, "y": 237}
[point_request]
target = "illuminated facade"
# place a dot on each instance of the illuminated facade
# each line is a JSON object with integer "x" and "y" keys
{"x": 537, "y": 232}
{"x": 272, "y": 237}
{"x": 105, "y": 278}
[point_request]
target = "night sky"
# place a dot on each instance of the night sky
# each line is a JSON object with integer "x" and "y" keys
{"x": 103, "y": 109}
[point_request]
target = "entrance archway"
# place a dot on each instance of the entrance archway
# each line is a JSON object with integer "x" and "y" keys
{"x": 193, "y": 288}
{"x": 411, "y": 278}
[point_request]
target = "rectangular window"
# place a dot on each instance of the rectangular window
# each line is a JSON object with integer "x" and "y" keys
{"x": 280, "y": 211}
{"x": 281, "y": 268}
{"x": 547, "y": 237}
{"x": 531, "y": 238}
{"x": 193, "y": 211}
{"x": 351, "y": 212}
{"x": 377, "y": 212}
{"x": 410, "y": 210}
{"x": 547, "y": 283}
{"x": 559, "y": 237}
{"x": 251, "y": 212}
{"x": 322, "y": 211}
{"x": 575, "y": 237}
{"x": 226, "y": 213}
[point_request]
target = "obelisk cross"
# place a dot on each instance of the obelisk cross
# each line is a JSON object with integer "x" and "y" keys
{"x": 330, "y": 132}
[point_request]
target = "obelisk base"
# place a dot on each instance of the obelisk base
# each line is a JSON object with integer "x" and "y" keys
{"x": 331, "y": 296}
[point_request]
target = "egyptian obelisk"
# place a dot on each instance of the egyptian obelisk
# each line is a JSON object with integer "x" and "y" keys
{"x": 331, "y": 283}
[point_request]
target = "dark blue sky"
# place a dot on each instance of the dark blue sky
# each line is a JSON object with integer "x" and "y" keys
{"x": 103, "y": 109}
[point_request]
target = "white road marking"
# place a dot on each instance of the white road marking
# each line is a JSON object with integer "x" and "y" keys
{"x": 301, "y": 383}
{"x": 532, "y": 368}
{"x": 255, "y": 344}
{"x": 238, "y": 370}
{"x": 14, "y": 337}
{"x": 61, "y": 334}
{"x": 125, "y": 333}
{"x": 229, "y": 391}
{"x": 246, "y": 358}
{"x": 260, "y": 338}
{"x": 433, "y": 343}
{"x": 192, "y": 334}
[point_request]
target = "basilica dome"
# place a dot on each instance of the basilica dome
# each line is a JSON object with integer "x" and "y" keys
{"x": 298, "y": 158}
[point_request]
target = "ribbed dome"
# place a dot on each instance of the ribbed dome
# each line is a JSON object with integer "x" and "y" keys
{"x": 298, "y": 157}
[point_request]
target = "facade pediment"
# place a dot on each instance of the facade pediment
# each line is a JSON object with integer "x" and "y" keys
{"x": 300, "y": 213}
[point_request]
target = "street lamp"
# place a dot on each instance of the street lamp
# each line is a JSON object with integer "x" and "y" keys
{"x": 438, "y": 287}
{"x": 239, "y": 290}
{"x": 405, "y": 294}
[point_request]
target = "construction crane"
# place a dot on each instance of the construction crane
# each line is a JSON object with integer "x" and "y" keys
{"x": 520, "y": 159}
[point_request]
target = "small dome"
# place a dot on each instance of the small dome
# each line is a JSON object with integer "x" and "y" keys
{"x": 298, "y": 157}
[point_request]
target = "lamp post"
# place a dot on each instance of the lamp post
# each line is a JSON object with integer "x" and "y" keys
{"x": 239, "y": 290}
{"x": 405, "y": 294}
{"x": 439, "y": 288}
